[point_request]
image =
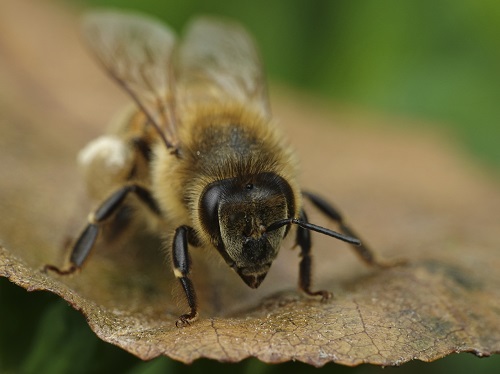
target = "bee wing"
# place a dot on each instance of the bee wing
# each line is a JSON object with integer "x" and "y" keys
{"x": 217, "y": 60}
{"x": 136, "y": 51}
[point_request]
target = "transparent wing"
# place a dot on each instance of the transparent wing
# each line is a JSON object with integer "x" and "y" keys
{"x": 218, "y": 60}
{"x": 136, "y": 51}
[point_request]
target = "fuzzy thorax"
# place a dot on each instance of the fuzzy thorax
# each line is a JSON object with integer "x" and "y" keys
{"x": 218, "y": 143}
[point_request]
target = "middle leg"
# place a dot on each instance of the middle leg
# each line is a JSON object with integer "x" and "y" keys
{"x": 84, "y": 244}
{"x": 363, "y": 251}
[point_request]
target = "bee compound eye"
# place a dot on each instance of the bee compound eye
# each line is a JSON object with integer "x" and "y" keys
{"x": 209, "y": 208}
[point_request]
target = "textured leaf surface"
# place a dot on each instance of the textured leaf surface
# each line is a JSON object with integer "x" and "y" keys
{"x": 410, "y": 194}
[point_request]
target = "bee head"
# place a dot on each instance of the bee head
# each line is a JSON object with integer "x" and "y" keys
{"x": 236, "y": 212}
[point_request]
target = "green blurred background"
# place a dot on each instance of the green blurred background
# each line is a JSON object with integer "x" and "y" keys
{"x": 434, "y": 60}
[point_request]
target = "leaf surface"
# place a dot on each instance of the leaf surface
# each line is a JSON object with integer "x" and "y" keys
{"x": 410, "y": 193}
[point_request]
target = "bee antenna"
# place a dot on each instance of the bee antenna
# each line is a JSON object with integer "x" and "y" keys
{"x": 310, "y": 226}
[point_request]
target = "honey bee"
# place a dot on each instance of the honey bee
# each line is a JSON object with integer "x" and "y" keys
{"x": 200, "y": 152}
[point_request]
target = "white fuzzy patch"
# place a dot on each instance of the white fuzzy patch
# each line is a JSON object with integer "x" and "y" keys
{"x": 107, "y": 148}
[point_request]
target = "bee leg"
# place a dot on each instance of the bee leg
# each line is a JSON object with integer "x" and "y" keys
{"x": 182, "y": 267}
{"x": 303, "y": 240}
{"x": 364, "y": 252}
{"x": 87, "y": 238}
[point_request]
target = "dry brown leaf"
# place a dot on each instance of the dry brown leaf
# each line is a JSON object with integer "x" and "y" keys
{"x": 409, "y": 193}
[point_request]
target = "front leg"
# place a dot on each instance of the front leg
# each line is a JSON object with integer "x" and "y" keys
{"x": 303, "y": 240}
{"x": 182, "y": 267}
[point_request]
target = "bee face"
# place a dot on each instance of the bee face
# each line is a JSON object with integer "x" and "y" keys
{"x": 236, "y": 212}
